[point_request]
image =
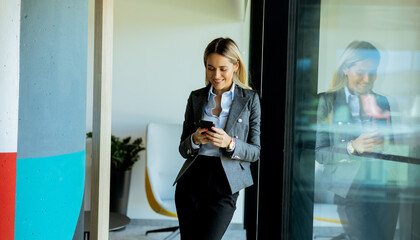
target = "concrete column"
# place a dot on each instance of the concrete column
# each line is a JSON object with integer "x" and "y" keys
{"x": 52, "y": 120}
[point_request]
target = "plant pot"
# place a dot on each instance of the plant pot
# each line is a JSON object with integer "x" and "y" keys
{"x": 119, "y": 189}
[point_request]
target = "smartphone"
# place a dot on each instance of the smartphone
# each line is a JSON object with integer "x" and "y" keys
{"x": 206, "y": 124}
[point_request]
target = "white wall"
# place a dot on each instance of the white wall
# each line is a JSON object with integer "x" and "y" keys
{"x": 9, "y": 73}
{"x": 392, "y": 26}
{"x": 158, "y": 49}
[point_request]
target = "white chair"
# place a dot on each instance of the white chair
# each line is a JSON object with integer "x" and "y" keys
{"x": 163, "y": 162}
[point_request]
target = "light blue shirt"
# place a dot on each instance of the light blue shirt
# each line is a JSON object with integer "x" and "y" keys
{"x": 353, "y": 103}
{"x": 209, "y": 149}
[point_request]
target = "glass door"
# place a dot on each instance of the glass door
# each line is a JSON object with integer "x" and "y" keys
{"x": 352, "y": 146}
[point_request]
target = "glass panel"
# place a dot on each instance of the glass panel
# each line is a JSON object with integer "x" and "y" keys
{"x": 356, "y": 152}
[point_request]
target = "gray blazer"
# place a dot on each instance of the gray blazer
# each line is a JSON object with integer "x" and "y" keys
{"x": 243, "y": 124}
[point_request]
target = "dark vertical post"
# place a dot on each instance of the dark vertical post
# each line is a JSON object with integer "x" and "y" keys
{"x": 273, "y": 92}
{"x": 255, "y": 76}
{"x": 285, "y": 206}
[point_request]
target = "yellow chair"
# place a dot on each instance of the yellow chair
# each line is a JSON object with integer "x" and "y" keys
{"x": 163, "y": 162}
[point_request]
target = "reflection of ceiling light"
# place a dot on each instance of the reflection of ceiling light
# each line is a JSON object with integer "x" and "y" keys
{"x": 415, "y": 109}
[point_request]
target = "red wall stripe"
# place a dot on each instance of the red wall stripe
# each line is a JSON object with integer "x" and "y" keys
{"x": 7, "y": 195}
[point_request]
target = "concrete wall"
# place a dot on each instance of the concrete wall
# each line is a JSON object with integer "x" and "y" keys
{"x": 52, "y": 120}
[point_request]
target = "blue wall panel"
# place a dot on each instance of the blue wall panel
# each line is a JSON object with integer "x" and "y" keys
{"x": 49, "y": 196}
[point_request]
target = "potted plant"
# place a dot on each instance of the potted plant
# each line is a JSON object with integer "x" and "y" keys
{"x": 124, "y": 154}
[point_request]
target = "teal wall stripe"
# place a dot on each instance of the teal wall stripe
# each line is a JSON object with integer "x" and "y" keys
{"x": 49, "y": 195}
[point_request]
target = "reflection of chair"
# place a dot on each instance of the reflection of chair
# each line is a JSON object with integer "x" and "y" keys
{"x": 326, "y": 222}
{"x": 163, "y": 162}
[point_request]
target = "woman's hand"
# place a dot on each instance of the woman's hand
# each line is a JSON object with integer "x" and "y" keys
{"x": 368, "y": 142}
{"x": 219, "y": 137}
{"x": 199, "y": 136}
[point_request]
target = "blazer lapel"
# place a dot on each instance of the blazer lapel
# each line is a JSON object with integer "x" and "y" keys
{"x": 199, "y": 101}
{"x": 238, "y": 104}
{"x": 341, "y": 108}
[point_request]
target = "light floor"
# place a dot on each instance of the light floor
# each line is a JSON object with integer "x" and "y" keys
{"x": 137, "y": 228}
{"x": 324, "y": 227}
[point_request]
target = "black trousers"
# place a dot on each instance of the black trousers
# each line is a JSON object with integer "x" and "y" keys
{"x": 367, "y": 219}
{"x": 204, "y": 202}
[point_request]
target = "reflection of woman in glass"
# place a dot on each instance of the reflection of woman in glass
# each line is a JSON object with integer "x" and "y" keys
{"x": 352, "y": 124}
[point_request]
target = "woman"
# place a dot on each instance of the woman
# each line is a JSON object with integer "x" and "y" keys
{"x": 218, "y": 160}
{"x": 353, "y": 122}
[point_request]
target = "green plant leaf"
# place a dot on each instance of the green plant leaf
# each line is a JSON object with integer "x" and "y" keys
{"x": 123, "y": 153}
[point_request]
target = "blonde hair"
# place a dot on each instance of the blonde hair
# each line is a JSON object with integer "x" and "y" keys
{"x": 228, "y": 48}
{"x": 355, "y": 52}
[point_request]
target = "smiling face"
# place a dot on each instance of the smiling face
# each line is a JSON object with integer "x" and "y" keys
{"x": 361, "y": 76}
{"x": 219, "y": 72}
